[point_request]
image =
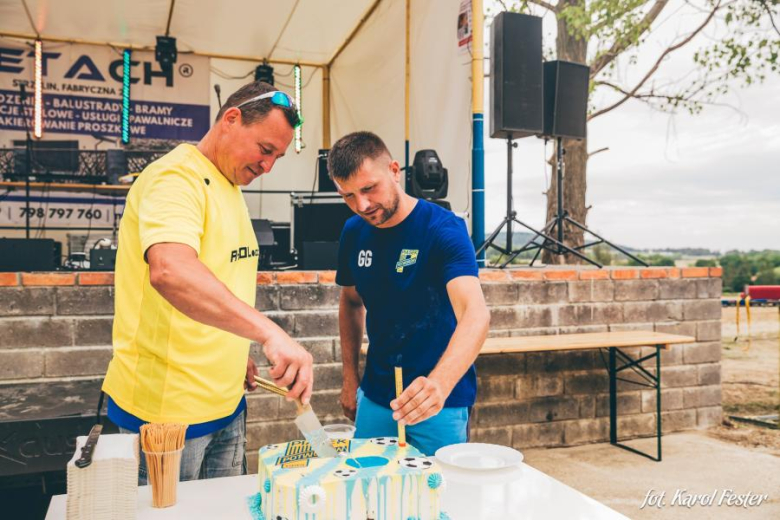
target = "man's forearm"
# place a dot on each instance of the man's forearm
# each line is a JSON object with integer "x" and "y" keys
{"x": 464, "y": 347}
{"x": 195, "y": 292}
{"x": 351, "y": 319}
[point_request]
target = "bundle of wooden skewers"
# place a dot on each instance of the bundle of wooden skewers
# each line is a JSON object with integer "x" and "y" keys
{"x": 163, "y": 444}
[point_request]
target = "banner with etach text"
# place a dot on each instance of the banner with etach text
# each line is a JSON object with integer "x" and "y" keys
{"x": 82, "y": 92}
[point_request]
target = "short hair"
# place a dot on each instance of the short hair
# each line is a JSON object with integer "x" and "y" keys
{"x": 349, "y": 152}
{"x": 258, "y": 110}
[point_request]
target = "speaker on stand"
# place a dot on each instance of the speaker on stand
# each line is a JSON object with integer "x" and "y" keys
{"x": 565, "y": 116}
{"x": 516, "y": 102}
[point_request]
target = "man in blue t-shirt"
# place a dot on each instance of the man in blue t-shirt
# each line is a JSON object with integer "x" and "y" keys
{"x": 408, "y": 270}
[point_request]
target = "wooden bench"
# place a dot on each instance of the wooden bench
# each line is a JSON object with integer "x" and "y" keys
{"x": 618, "y": 361}
{"x": 613, "y": 341}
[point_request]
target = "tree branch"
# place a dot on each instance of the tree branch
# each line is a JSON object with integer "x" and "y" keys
{"x": 546, "y": 5}
{"x": 629, "y": 95}
{"x": 621, "y": 45}
{"x": 649, "y": 97}
{"x": 769, "y": 12}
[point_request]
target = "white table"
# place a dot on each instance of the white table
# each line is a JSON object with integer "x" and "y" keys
{"x": 517, "y": 493}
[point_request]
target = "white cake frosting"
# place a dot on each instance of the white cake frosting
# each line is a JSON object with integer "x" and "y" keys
{"x": 371, "y": 479}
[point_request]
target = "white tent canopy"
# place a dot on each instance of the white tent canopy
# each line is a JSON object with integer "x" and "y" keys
{"x": 366, "y": 90}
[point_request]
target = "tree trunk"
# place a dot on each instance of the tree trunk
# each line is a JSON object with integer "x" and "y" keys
{"x": 569, "y": 48}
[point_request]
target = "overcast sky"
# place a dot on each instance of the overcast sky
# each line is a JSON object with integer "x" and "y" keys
{"x": 711, "y": 180}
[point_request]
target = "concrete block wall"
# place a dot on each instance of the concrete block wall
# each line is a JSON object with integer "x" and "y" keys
{"x": 57, "y": 327}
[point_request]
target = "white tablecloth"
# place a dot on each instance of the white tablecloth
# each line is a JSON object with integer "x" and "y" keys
{"x": 518, "y": 493}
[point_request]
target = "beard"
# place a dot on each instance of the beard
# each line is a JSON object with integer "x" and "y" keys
{"x": 383, "y": 212}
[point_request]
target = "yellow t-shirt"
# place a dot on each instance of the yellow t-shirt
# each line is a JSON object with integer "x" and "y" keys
{"x": 167, "y": 367}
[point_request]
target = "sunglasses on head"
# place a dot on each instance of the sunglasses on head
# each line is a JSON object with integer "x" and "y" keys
{"x": 278, "y": 98}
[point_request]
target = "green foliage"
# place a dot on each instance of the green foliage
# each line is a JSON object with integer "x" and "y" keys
{"x": 752, "y": 268}
{"x": 602, "y": 254}
{"x": 653, "y": 260}
{"x": 706, "y": 262}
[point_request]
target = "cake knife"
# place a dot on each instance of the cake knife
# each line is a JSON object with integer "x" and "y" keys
{"x": 307, "y": 421}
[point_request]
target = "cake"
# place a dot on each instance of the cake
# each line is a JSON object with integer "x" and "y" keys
{"x": 371, "y": 479}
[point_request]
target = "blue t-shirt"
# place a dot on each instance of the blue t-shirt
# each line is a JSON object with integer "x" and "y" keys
{"x": 401, "y": 273}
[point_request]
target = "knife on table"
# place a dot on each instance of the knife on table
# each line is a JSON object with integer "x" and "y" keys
{"x": 89, "y": 447}
{"x": 307, "y": 421}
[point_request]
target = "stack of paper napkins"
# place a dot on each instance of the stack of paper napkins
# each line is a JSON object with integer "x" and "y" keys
{"x": 107, "y": 489}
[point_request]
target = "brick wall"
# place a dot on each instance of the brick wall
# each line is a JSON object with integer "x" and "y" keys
{"x": 57, "y": 327}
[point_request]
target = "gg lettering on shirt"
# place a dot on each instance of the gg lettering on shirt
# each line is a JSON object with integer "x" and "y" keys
{"x": 401, "y": 273}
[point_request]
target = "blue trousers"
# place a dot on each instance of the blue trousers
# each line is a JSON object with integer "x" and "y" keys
{"x": 449, "y": 426}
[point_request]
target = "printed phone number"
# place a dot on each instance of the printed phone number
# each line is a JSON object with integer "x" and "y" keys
{"x": 62, "y": 213}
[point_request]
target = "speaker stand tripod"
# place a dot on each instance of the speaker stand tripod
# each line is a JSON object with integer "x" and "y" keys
{"x": 555, "y": 245}
{"x": 511, "y": 217}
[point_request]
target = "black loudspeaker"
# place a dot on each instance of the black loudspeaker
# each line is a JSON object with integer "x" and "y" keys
{"x": 516, "y": 97}
{"x": 566, "y": 99}
{"x": 325, "y": 183}
{"x": 29, "y": 254}
{"x": 116, "y": 165}
{"x": 320, "y": 255}
{"x": 263, "y": 232}
{"x": 102, "y": 259}
{"x": 316, "y": 224}
{"x": 281, "y": 251}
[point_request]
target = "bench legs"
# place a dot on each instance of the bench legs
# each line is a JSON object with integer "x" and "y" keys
{"x": 652, "y": 381}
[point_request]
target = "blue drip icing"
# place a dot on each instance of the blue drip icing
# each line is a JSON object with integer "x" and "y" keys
{"x": 350, "y": 485}
{"x": 420, "y": 487}
{"x": 255, "y": 503}
{"x": 401, "y": 498}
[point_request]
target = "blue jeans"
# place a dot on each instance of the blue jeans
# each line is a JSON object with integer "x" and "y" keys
{"x": 219, "y": 454}
{"x": 449, "y": 426}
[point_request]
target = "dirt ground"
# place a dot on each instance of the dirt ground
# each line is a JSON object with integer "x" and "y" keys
{"x": 751, "y": 370}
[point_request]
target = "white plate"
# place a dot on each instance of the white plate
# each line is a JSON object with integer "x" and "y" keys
{"x": 477, "y": 456}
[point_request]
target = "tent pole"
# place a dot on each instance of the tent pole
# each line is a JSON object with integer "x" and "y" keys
{"x": 354, "y": 32}
{"x": 477, "y": 150}
{"x": 326, "y": 107}
{"x": 407, "y": 73}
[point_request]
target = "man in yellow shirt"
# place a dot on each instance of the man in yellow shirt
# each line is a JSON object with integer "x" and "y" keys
{"x": 185, "y": 289}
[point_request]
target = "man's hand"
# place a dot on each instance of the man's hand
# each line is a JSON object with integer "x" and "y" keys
{"x": 349, "y": 399}
{"x": 251, "y": 372}
{"x": 290, "y": 365}
{"x": 422, "y": 399}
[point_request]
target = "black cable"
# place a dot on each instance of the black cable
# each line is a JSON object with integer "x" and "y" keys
{"x": 100, "y": 407}
{"x": 89, "y": 228}
{"x": 316, "y": 174}
{"x": 46, "y": 194}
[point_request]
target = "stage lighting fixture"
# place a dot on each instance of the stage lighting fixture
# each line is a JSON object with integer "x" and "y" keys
{"x": 299, "y": 128}
{"x": 126, "y": 96}
{"x": 165, "y": 53}
{"x": 38, "y": 97}
{"x": 429, "y": 178}
{"x": 265, "y": 72}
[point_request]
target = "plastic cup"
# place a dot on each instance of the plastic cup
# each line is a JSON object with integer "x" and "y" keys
{"x": 163, "y": 468}
{"x": 339, "y": 431}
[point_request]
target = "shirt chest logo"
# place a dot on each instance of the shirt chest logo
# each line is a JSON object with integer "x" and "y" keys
{"x": 408, "y": 257}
